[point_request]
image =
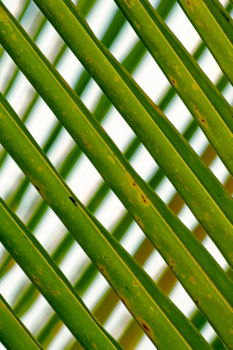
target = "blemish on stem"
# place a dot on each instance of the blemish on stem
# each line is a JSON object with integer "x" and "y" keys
{"x": 35, "y": 279}
{"x": 203, "y": 121}
{"x": 173, "y": 82}
{"x": 124, "y": 301}
{"x": 172, "y": 263}
{"x": 37, "y": 188}
{"x": 143, "y": 199}
{"x": 146, "y": 327}
{"x": 73, "y": 201}
{"x": 192, "y": 280}
{"x": 56, "y": 293}
{"x": 138, "y": 220}
{"x": 155, "y": 107}
{"x": 102, "y": 269}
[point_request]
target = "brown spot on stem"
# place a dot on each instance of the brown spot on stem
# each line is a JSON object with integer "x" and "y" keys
{"x": 203, "y": 121}
{"x": 138, "y": 220}
{"x": 73, "y": 201}
{"x": 124, "y": 301}
{"x": 143, "y": 199}
{"x": 146, "y": 327}
{"x": 102, "y": 269}
{"x": 173, "y": 82}
{"x": 171, "y": 263}
{"x": 35, "y": 279}
{"x": 192, "y": 280}
{"x": 37, "y": 188}
{"x": 56, "y": 293}
{"x": 156, "y": 107}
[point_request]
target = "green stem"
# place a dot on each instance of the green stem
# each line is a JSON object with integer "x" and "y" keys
{"x": 13, "y": 334}
{"x": 37, "y": 28}
{"x": 194, "y": 181}
{"x": 150, "y": 212}
{"x": 132, "y": 285}
{"x": 51, "y": 282}
{"x": 196, "y": 90}
{"x": 22, "y": 12}
{"x": 27, "y": 296}
{"x": 166, "y": 282}
{"x": 215, "y": 26}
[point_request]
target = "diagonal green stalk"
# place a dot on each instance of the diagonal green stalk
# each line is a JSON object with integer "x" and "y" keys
{"x": 215, "y": 26}
{"x": 125, "y": 193}
{"x": 22, "y": 12}
{"x": 37, "y": 26}
{"x": 216, "y": 344}
{"x": 143, "y": 252}
{"x": 102, "y": 107}
{"x": 39, "y": 267}
{"x": 109, "y": 36}
{"x": 138, "y": 51}
{"x": 214, "y": 222}
{"x": 165, "y": 282}
{"x": 13, "y": 334}
{"x": 108, "y": 255}
{"x": 222, "y": 106}
{"x": 36, "y": 30}
{"x": 25, "y": 300}
{"x": 130, "y": 63}
{"x": 179, "y": 67}
{"x": 89, "y": 273}
{"x": 222, "y": 16}
{"x": 181, "y": 164}
{"x": 65, "y": 168}
{"x": 100, "y": 111}
{"x": 133, "y": 286}
{"x": 134, "y": 191}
